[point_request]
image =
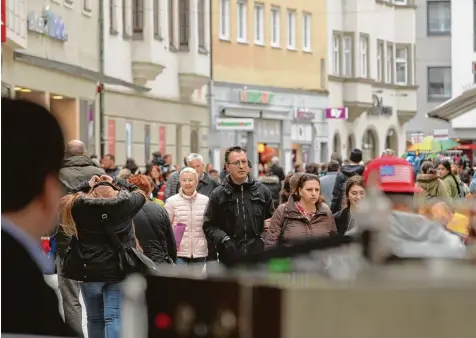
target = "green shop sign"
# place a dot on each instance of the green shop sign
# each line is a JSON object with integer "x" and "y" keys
{"x": 254, "y": 96}
{"x": 235, "y": 124}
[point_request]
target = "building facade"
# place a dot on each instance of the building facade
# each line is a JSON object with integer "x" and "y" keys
{"x": 372, "y": 74}
{"x": 44, "y": 59}
{"x": 460, "y": 110}
{"x": 162, "y": 48}
{"x": 269, "y": 88}
{"x": 433, "y": 63}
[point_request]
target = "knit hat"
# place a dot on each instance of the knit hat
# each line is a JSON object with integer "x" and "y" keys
{"x": 355, "y": 155}
{"x": 472, "y": 186}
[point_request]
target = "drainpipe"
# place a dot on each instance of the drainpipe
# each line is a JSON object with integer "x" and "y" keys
{"x": 211, "y": 99}
{"x": 101, "y": 84}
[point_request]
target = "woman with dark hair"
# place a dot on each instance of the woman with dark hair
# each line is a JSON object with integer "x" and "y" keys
{"x": 354, "y": 193}
{"x": 432, "y": 185}
{"x": 444, "y": 172}
{"x": 153, "y": 227}
{"x": 132, "y": 166}
{"x": 97, "y": 215}
{"x": 158, "y": 188}
{"x": 286, "y": 191}
{"x": 313, "y": 168}
{"x": 303, "y": 216}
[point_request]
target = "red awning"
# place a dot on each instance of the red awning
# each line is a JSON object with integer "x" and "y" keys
{"x": 466, "y": 147}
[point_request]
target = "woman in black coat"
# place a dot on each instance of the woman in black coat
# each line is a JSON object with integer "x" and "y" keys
{"x": 92, "y": 258}
{"x": 153, "y": 229}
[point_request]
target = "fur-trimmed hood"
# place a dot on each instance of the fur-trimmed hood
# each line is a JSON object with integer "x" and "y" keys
{"x": 121, "y": 198}
{"x": 269, "y": 179}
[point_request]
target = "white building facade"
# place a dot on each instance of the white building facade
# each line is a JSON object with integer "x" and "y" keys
{"x": 50, "y": 56}
{"x": 162, "y": 47}
{"x": 461, "y": 108}
{"x": 371, "y": 74}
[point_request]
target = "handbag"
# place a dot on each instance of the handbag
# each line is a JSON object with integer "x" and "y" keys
{"x": 131, "y": 260}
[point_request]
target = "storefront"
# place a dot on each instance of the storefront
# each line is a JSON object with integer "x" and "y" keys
{"x": 251, "y": 116}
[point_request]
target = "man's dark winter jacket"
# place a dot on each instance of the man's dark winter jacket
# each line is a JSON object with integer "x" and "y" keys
{"x": 339, "y": 188}
{"x": 238, "y": 211}
{"x": 155, "y": 234}
{"x": 76, "y": 169}
{"x": 273, "y": 184}
{"x": 276, "y": 170}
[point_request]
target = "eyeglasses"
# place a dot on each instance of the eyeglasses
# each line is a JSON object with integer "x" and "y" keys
{"x": 238, "y": 163}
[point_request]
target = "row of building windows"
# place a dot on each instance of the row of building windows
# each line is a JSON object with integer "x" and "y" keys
{"x": 258, "y": 34}
{"x": 87, "y": 5}
{"x": 178, "y": 12}
{"x": 393, "y": 60}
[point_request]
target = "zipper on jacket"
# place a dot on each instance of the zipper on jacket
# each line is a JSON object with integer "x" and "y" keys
{"x": 244, "y": 218}
{"x": 191, "y": 229}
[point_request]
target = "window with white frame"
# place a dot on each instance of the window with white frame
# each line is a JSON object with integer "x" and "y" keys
{"x": 275, "y": 27}
{"x": 364, "y": 56}
{"x": 157, "y": 21}
{"x": 291, "y": 26}
{"x": 306, "y": 32}
{"x": 439, "y": 83}
{"x": 380, "y": 61}
{"x": 389, "y": 70}
{"x": 224, "y": 20}
{"x": 259, "y": 24}
{"x": 438, "y": 17}
{"x": 401, "y": 65}
{"x": 241, "y": 21}
{"x": 347, "y": 56}
{"x": 400, "y": 2}
{"x": 336, "y": 55}
{"x": 201, "y": 10}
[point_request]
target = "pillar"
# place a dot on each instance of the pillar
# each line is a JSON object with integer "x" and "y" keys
{"x": 285, "y": 151}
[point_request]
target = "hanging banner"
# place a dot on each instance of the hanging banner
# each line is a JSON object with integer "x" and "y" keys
{"x": 162, "y": 140}
{"x": 111, "y": 137}
{"x": 4, "y": 20}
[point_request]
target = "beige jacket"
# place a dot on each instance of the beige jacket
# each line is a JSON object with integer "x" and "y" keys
{"x": 189, "y": 210}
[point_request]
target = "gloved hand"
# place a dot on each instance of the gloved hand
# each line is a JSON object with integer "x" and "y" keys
{"x": 228, "y": 250}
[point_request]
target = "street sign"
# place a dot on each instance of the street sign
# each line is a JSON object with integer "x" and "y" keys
{"x": 440, "y": 134}
{"x": 417, "y": 138}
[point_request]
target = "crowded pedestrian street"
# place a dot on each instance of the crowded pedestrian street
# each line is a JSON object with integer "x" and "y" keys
{"x": 237, "y": 168}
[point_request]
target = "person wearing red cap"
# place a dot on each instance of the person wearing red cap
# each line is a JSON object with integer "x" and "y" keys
{"x": 411, "y": 235}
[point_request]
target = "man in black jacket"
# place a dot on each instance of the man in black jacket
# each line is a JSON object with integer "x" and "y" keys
{"x": 349, "y": 170}
{"x": 30, "y": 204}
{"x": 77, "y": 168}
{"x": 236, "y": 212}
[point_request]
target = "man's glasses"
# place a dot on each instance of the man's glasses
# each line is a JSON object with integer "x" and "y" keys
{"x": 238, "y": 163}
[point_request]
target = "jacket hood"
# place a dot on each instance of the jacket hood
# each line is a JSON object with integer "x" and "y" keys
{"x": 428, "y": 182}
{"x": 121, "y": 197}
{"x": 269, "y": 179}
{"x": 413, "y": 236}
{"x": 251, "y": 182}
{"x": 78, "y": 161}
{"x": 353, "y": 169}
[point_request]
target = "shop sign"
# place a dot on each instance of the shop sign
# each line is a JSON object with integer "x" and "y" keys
{"x": 255, "y": 96}
{"x": 162, "y": 140}
{"x": 4, "y": 20}
{"x": 304, "y": 114}
{"x": 337, "y": 113}
{"x": 441, "y": 134}
{"x": 111, "y": 137}
{"x": 235, "y": 124}
{"x": 417, "y": 138}
{"x": 47, "y": 23}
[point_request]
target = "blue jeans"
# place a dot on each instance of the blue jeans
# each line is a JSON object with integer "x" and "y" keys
{"x": 185, "y": 260}
{"x": 103, "y": 309}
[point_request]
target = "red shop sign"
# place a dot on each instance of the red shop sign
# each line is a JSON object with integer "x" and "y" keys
{"x": 162, "y": 138}
{"x": 111, "y": 137}
{"x": 4, "y": 21}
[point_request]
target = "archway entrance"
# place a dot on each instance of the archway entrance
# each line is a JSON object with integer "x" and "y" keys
{"x": 336, "y": 144}
{"x": 391, "y": 140}
{"x": 370, "y": 145}
{"x": 350, "y": 143}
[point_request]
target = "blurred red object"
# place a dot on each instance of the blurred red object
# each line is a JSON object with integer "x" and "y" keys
{"x": 45, "y": 244}
{"x": 268, "y": 154}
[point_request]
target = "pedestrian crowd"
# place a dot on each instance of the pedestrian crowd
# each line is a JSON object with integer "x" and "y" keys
{"x": 107, "y": 219}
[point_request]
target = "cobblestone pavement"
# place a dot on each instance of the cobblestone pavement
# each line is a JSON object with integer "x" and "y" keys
{"x": 52, "y": 280}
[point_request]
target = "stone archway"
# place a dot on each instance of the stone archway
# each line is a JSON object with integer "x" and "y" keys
{"x": 336, "y": 144}
{"x": 391, "y": 140}
{"x": 370, "y": 144}
{"x": 351, "y": 144}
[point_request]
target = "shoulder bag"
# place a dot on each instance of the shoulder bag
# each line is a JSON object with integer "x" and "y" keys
{"x": 131, "y": 260}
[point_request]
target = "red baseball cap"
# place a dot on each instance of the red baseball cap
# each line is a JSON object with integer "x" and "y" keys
{"x": 391, "y": 174}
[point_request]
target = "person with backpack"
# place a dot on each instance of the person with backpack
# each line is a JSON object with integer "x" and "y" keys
{"x": 303, "y": 216}
{"x": 433, "y": 187}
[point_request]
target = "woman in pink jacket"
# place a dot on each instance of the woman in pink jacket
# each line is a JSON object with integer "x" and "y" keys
{"x": 187, "y": 209}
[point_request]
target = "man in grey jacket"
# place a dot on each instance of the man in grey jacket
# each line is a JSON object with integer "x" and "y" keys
{"x": 77, "y": 168}
{"x": 329, "y": 180}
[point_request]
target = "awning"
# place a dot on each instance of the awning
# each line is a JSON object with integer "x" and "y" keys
{"x": 75, "y": 71}
{"x": 456, "y": 106}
